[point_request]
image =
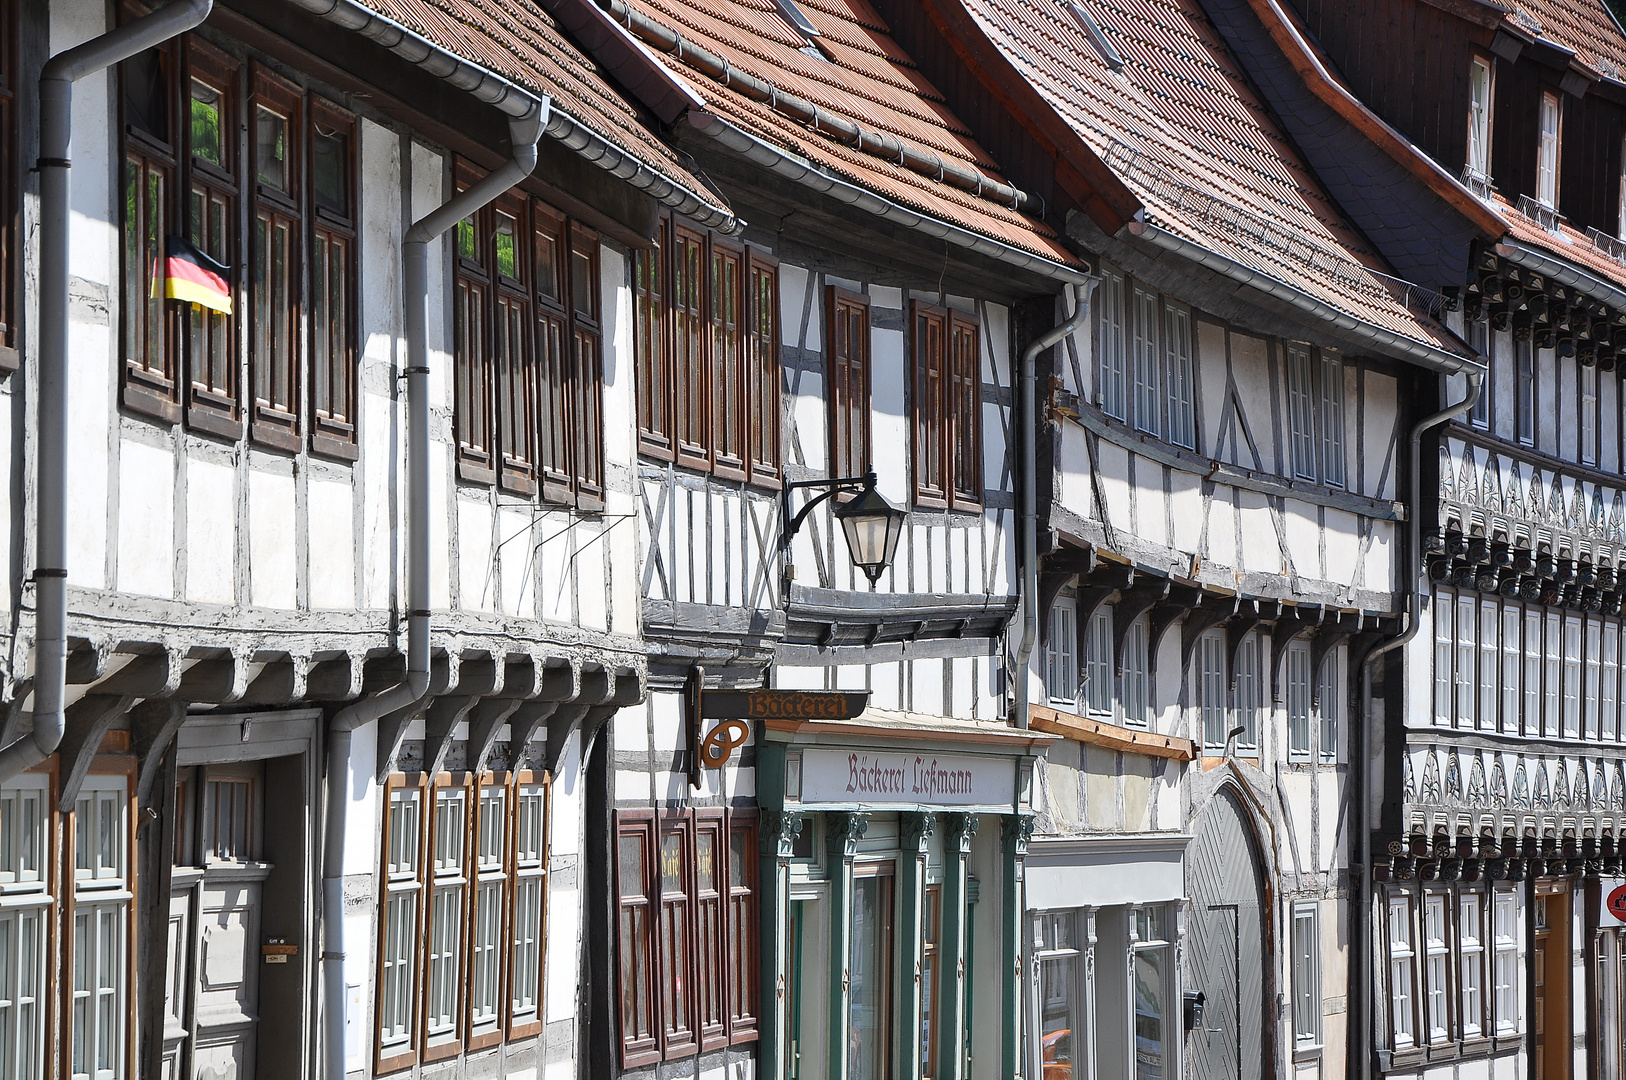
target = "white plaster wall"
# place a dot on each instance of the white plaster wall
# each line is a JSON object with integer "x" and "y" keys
{"x": 211, "y": 536}
{"x": 146, "y": 520}
{"x": 378, "y": 320}
{"x": 271, "y": 537}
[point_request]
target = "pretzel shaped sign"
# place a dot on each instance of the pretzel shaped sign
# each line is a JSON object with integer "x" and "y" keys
{"x": 721, "y": 742}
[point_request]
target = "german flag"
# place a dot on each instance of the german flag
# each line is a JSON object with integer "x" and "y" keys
{"x": 192, "y": 276}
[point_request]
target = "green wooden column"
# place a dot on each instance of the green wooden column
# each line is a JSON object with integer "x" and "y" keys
{"x": 1017, "y": 830}
{"x": 777, "y": 838}
{"x": 914, "y": 837}
{"x": 958, "y": 829}
{"x": 843, "y": 831}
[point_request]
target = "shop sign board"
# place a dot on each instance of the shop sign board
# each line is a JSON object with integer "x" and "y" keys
{"x": 1612, "y": 912}
{"x": 884, "y": 777}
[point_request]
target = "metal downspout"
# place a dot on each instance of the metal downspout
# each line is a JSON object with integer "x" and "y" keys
{"x": 1362, "y": 1034}
{"x": 1028, "y": 420}
{"x": 51, "y": 503}
{"x": 525, "y": 131}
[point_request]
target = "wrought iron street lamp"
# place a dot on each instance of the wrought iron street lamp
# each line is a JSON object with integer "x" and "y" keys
{"x": 871, "y": 524}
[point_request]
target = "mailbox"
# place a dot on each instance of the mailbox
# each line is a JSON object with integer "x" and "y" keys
{"x": 1194, "y": 1009}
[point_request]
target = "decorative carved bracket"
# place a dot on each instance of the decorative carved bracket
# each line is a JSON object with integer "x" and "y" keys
{"x": 153, "y": 725}
{"x": 1131, "y": 605}
{"x": 843, "y": 830}
{"x": 1286, "y": 629}
{"x": 1236, "y": 632}
{"x": 1055, "y": 572}
{"x": 1181, "y": 599}
{"x": 88, "y": 721}
{"x": 1208, "y": 614}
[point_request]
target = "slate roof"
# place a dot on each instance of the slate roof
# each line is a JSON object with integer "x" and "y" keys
{"x": 858, "y": 72}
{"x": 1182, "y": 127}
{"x": 521, "y": 43}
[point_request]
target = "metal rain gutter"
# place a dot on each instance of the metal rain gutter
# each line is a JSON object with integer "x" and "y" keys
{"x": 801, "y": 171}
{"x": 515, "y": 101}
{"x": 51, "y": 502}
{"x": 1562, "y": 272}
{"x": 1428, "y": 355}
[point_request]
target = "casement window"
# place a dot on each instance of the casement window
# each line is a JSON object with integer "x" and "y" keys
{"x": 931, "y": 939}
{"x": 1137, "y": 700}
{"x": 1306, "y": 976}
{"x": 98, "y": 1018}
{"x": 706, "y": 338}
{"x": 1113, "y": 346}
{"x": 488, "y": 931}
{"x": 1608, "y": 695}
{"x": 1329, "y": 703}
{"x": 1060, "y": 999}
{"x": 1436, "y": 968}
{"x": 1444, "y": 645}
{"x": 1552, "y": 659}
{"x": 447, "y": 892}
{"x": 1524, "y": 353}
{"x": 1402, "y": 973}
{"x": 528, "y": 398}
{"x": 1591, "y": 701}
{"x": 1479, "y": 339}
{"x": 1180, "y": 349}
{"x": 1589, "y": 414}
{"x": 189, "y": 172}
{"x": 399, "y": 926}
{"x": 1471, "y": 964}
{"x": 1485, "y": 707}
{"x": 1150, "y": 972}
{"x": 1098, "y": 663}
{"x": 1248, "y": 695}
{"x": 1467, "y": 654}
{"x": 1505, "y": 966}
{"x": 947, "y": 408}
{"x": 1511, "y": 692}
{"x": 1147, "y": 363}
{"x": 869, "y": 967}
{"x": 1214, "y": 691}
{"x": 1061, "y": 673}
{"x": 1547, "y": 150}
{"x": 25, "y": 910}
{"x": 529, "y": 877}
{"x": 848, "y": 344}
{"x": 686, "y": 932}
{"x": 1479, "y": 116}
{"x": 1315, "y": 387}
{"x": 1572, "y": 678}
{"x": 1298, "y": 701}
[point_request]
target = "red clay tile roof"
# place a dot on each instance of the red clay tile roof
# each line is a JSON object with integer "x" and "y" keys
{"x": 521, "y": 43}
{"x": 1568, "y": 244}
{"x": 1181, "y": 125}
{"x": 868, "y": 79}
{"x": 1584, "y": 26}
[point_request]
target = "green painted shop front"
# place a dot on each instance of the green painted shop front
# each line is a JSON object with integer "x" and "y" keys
{"x": 892, "y": 852}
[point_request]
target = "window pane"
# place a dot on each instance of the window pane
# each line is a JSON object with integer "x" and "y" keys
{"x": 207, "y": 138}
{"x": 869, "y": 969}
{"x": 330, "y": 151}
{"x": 270, "y": 147}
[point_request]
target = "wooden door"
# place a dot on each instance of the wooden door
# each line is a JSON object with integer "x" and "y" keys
{"x": 1550, "y": 973}
{"x": 1225, "y": 946}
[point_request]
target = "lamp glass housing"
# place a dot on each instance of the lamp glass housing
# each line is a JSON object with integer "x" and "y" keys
{"x": 872, "y": 526}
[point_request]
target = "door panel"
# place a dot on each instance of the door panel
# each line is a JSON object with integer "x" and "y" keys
{"x": 1226, "y": 946}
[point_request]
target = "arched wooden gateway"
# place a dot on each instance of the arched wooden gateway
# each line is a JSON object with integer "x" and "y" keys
{"x": 1225, "y": 945}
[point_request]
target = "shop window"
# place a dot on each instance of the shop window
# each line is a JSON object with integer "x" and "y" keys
{"x": 931, "y": 937}
{"x": 98, "y": 1019}
{"x": 25, "y": 907}
{"x": 1306, "y": 976}
{"x": 529, "y": 370}
{"x": 706, "y": 339}
{"x": 1402, "y": 973}
{"x": 1298, "y": 701}
{"x": 687, "y": 932}
{"x": 869, "y": 967}
{"x": 947, "y": 408}
{"x": 1060, "y": 1035}
{"x": 1153, "y": 974}
{"x": 1247, "y": 696}
{"x": 1214, "y": 690}
{"x": 1061, "y": 672}
{"x": 847, "y": 327}
{"x": 1436, "y": 968}
{"x": 296, "y": 239}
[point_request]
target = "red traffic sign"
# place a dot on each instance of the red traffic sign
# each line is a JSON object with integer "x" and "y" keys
{"x": 1615, "y": 902}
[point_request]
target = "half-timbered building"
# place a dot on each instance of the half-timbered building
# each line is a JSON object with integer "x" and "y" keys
{"x": 313, "y": 589}
{"x": 1497, "y": 801}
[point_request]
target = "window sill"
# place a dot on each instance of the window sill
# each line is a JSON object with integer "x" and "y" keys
{"x": 338, "y": 449}
{"x": 1308, "y": 1052}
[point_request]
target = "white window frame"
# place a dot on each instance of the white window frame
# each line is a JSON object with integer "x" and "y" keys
{"x": 448, "y": 899}
{"x": 1298, "y": 702}
{"x": 530, "y": 901}
{"x": 1402, "y": 972}
{"x": 1301, "y": 398}
{"x": 1482, "y": 341}
{"x": 97, "y": 1023}
{"x": 1534, "y": 665}
{"x": 1471, "y": 963}
{"x": 1061, "y": 660}
{"x": 1588, "y": 384}
{"x": 1479, "y": 114}
{"x": 1608, "y": 694}
{"x": 1591, "y": 699}
{"x": 1524, "y": 367}
{"x": 1330, "y": 416}
{"x": 1180, "y": 347}
{"x": 488, "y": 932}
{"x": 1444, "y": 654}
{"x": 1135, "y": 705}
{"x": 1154, "y": 918}
{"x": 1096, "y": 691}
{"x": 1112, "y": 392}
{"x": 1512, "y": 691}
{"x": 1213, "y": 690}
{"x": 1330, "y": 697}
{"x": 397, "y": 1013}
{"x": 1437, "y": 967}
{"x": 1046, "y": 950}
{"x": 1248, "y": 696}
{"x": 1306, "y": 946}
{"x": 1148, "y": 361}
{"x": 1552, "y": 659}
{"x": 1550, "y": 127}
{"x": 1507, "y": 970}
{"x": 1466, "y": 701}
{"x": 25, "y": 909}
{"x": 1572, "y": 678}
{"x": 1490, "y": 618}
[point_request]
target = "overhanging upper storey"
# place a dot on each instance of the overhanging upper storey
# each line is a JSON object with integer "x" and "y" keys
{"x": 1154, "y": 98}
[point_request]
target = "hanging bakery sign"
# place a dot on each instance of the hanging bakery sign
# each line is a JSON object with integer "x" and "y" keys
{"x": 735, "y": 709}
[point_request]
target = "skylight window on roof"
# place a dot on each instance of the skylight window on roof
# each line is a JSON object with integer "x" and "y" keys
{"x": 1092, "y": 31}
